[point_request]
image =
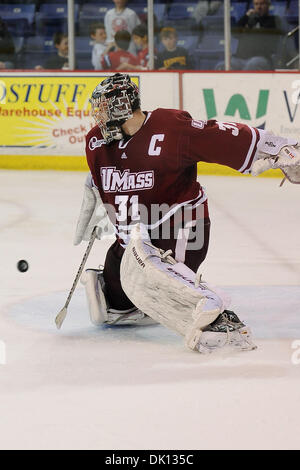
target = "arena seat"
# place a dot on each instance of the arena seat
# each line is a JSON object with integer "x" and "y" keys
{"x": 210, "y": 50}
{"x": 180, "y": 16}
{"x": 278, "y": 8}
{"x": 19, "y": 18}
{"x": 36, "y": 49}
{"x": 292, "y": 12}
{"x": 159, "y": 10}
{"x": 53, "y": 17}
{"x": 237, "y": 10}
{"x": 83, "y": 52}
{"x": 90, "y": 13}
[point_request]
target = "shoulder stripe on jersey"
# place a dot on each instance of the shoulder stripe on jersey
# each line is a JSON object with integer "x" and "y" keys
{"x": 250, "y": 151}
{"x": 147, "y": 117}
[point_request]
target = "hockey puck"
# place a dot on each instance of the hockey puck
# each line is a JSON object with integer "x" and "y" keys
{"x": 22, "y": 265}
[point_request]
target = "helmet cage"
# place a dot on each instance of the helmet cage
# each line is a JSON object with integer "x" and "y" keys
{"x": 113, "y": 103}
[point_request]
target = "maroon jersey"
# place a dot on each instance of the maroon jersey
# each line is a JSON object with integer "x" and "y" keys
{"x": 157, "y": 166}
{"x": 113, "y": 59}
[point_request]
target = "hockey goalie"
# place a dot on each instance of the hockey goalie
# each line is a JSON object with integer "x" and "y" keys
{"x": 143, "y": 188}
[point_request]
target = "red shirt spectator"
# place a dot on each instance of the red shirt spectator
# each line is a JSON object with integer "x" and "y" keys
{"x": 115, "y": 60}
{"x": 118, "y": 59}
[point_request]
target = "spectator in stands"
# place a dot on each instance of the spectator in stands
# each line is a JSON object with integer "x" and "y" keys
{"x": 173, "y": 57}
{"x": 119, "y": 18}
{"x": 121, "y": 57}
{"x": 259, "y": 35}
{"x": 98, "y": 35}
{"x": 60, "y": 60}
{"x": 140, "y": 39}
{"x": 7, "y": 48}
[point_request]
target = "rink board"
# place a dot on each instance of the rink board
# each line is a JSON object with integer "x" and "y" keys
{"x": 73, "y": 163}
{"x": 44, "y": 116}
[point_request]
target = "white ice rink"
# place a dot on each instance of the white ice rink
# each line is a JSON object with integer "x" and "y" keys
{"x": 139, "y": 388}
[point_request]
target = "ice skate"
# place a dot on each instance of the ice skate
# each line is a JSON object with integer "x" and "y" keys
{"x": 227, "y": 330}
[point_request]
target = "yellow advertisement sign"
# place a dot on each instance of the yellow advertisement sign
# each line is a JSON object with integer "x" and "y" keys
{"x": 46, "y": 115}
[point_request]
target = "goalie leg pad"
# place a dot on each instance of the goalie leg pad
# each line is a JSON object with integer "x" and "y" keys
{"x": 94, "y": 284}
{"x": 99, "y": 310}
{"x": 166, "y": 290}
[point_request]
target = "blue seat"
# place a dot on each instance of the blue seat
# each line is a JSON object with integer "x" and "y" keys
{"x": 212, "y": 22}
{"x": 84, "y": 63}
{"x": 183, "y": 11}
{"x": 206, "y": 63}
{"x": 189, "y": 42}
{"x": 278, "y": 8}
{"x": 36, "y": 50}
{"x": 61, "y": 2}
{"x": 53, "y": 17}
{"x": 216, "y": 21}
{"x": 39, "y": 44}
{"x": 210, "y": 50}
{"x": 91, "y": 13}
{"x": 141, "y": 10}
{"x": 83, "y": 52}
{"x": 292, "y": 12}
{"x": 132, "y": 4}
{"x": 94, "y": 11}
{"x": 84, "y": 45}
{"x": 19, "y": 18}
{"x": 237, "y": 10}
{"x": 23, "y": 2}
{"x": 180, "y": 16}
{"x": 159, "y": 10}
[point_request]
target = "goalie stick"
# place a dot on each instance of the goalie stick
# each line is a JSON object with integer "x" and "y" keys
{"x": 63, "y": 313}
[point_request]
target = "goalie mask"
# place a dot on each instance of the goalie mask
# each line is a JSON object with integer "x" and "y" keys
{"x": 113, "y": 102}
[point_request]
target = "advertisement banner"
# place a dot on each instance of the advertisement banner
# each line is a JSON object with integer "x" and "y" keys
{"x": 46, "y": 115}
{"x": 265, "y": 100}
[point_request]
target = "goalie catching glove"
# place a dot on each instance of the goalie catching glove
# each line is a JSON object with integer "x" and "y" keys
{"x": 92, "y": 213}
{"x": 274, "y": 152}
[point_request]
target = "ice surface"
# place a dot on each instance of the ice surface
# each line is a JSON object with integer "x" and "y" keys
{"x": 139, "y": 388}
{"x": 272, "y": 312}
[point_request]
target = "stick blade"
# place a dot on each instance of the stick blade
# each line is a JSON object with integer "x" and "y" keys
{"x": 60, "y": 317}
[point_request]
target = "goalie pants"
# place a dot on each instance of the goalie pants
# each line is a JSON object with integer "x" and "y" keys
{"x": 186, "y": 249}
